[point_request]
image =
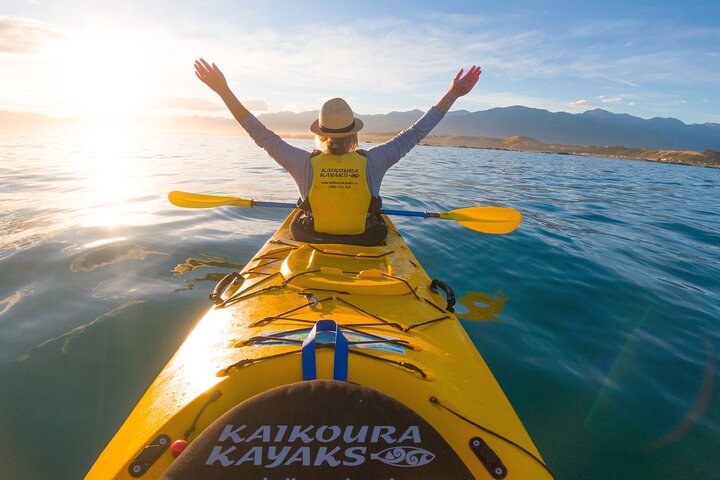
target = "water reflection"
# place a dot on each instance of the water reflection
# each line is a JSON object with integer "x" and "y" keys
{"x": 192, "y": 264}
{"x": 482, "y": 306}
{"x": 110, "y": 254}
{"x": 68, "y": 337}
{"x": 112, "y": 175}
{"x": 698, "y": 411}
{"x": 206, "y": 261}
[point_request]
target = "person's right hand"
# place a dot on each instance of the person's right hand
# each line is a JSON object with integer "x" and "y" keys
{"x": 210, "y": 75}
{"x": 462, "y": 85}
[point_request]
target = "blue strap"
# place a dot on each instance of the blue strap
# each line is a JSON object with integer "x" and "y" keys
{"x": 341, "y": 351}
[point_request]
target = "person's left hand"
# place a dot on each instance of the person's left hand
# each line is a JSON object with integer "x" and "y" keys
{"x": 461, "y": 85}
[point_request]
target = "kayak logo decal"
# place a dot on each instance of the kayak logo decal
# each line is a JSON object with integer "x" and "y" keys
{"x": 404, "y": 456}
{"x": 273, "y": 446}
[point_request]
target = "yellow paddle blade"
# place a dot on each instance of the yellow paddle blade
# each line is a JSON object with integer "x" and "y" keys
{"x": 496, "y": 220}
{"x": 198, "y": 200}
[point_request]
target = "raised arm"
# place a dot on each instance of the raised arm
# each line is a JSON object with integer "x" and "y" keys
{"x": 461, "y": 85}
{"x": 292, "y": 159}
{"x": 382, "y": 157}
{"x": 211, "y": 76}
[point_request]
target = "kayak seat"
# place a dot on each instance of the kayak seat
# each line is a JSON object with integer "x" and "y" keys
{"x": 319, "y": 429}
{"x": 302, "y": 229}
{"x": 356, "y": 270}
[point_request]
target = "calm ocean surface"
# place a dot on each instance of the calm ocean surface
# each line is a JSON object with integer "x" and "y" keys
{"x": 608, "y": 345}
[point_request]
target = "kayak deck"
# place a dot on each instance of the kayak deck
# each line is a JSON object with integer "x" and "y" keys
{"x": 403, "y": 343}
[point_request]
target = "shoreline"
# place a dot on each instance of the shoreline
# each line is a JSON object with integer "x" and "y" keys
{"x": 708, "y": 158}
{"x": 527, "y": 144}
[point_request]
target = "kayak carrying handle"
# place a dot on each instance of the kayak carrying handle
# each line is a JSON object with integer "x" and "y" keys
{"x": 449, "y": 294}
{"x": 233, "y": 278}
{"x": 340, "y": 369}
{"x": 489, "y": 458}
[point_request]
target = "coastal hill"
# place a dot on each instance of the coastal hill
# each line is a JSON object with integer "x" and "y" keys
{"x": 594, "y": 132}
{"x": 708, "y": 158}
{"x": 594, "y": 127}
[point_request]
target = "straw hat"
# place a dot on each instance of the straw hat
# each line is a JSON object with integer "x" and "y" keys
{"x": 336, "y": 120}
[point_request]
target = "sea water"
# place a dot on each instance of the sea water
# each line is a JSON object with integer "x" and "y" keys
{"x": 607, "y": 344}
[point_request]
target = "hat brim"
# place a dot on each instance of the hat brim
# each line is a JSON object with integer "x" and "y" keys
{"x": 317, "y": 130}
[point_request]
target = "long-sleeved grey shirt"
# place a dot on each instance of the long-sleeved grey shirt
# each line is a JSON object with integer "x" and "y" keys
{"x": 379, "y": 158}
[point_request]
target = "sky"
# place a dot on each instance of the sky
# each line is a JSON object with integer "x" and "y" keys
{"x": 95, "y": 60}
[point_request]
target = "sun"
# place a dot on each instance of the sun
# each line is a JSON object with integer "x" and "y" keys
{"x": 100, "y": 74}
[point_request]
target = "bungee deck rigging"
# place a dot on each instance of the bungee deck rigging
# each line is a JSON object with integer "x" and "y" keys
{"x": 282, "y": 336}
{"x": 312, "y": 302}
{"x": 387, "y": 330}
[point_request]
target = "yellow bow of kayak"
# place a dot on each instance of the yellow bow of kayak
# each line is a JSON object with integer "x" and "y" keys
{"x": 325, "y": 361}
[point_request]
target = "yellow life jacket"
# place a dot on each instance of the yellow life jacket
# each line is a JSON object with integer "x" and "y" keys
{"x": 339, "y": 193}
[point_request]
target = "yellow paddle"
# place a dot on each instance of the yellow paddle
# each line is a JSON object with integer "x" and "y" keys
{"x": 495, "y": 220}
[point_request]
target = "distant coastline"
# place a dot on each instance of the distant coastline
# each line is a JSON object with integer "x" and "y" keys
{"x": 594, "y": 133}
{"x": 709, "y": 158}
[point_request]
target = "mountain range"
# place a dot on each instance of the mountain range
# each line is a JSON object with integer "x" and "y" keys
{"x": 594, "y": 127}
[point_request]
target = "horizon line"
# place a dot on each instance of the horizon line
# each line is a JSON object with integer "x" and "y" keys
{"x": 227, "y": 116}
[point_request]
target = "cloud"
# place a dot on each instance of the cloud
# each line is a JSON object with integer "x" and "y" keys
{"x": 392, "y": 54}
{"x": 632, "y": 104}
{"x": 581, "y": 104}
{"x": 455, "y": 20}
{"x": 620, "y": 81}
{"x": 343, "y": 58}
{"x": 302, "y": 106}
{"x": 603, "y": 27}
{"x": 256, "y": 105}
{"x": 186, "y": 103}
{"x": 21, "y": 35}
{"x": 416, "y": 57}
{"x": 508, "y": 99}
{"x": 391, "y": 62}
{"x": 202, "y": 104}
{"x": 387, "y": 56}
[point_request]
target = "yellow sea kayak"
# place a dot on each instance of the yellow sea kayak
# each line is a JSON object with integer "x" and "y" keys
{"x": 325, "y": 361}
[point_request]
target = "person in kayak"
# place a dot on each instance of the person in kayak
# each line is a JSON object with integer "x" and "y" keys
{"x": 339, "y": 184}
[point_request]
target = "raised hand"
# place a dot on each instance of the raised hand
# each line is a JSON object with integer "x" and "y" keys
{"x": 211, "y": 75}
{"x": 461, "y": 85}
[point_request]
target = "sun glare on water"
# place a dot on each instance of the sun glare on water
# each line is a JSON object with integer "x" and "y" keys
{"x": 111, "y": 177}
{"x": 103, "y": 78}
